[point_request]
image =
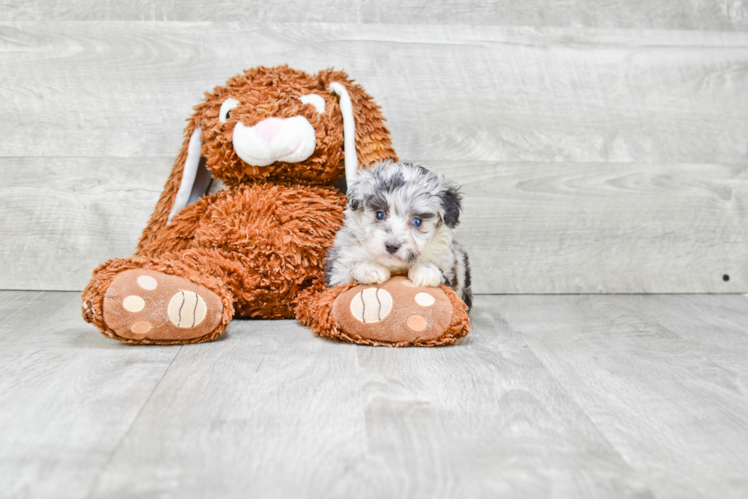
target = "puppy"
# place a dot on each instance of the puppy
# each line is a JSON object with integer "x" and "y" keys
{"x": 400, "y": 216}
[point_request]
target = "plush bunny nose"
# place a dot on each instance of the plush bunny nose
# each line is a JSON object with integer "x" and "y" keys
{"x": 268, "y": 129}
{"x": 288, "y": 140}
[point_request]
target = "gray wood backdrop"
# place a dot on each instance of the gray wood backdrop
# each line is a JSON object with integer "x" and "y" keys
{"x": 602, "y": 145}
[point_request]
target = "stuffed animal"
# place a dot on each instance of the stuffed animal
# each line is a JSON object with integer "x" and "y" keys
{"x": 247, "y": 215}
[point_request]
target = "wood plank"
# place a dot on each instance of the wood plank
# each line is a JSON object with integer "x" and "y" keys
{"x": 273, "y": 411}
{"x": 715, "y": 325}
{"x": 675, "y": 415}
{"x": 451, "y": 92}
{"x": 604, "y": 228}
{"x": 529, "y": 228}
{"x": 62, "y": 217}
{"x": 482, "y": 419}
{"x": 69, "y": 395}
{"x": 663, "y": 14}
{"x": 269, "y": 410}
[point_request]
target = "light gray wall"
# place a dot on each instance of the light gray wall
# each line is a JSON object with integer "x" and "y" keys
{"x": 602, "y": 146}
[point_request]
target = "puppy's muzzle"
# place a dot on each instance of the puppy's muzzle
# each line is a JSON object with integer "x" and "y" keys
{"x": 289, "y": 140}
{"x": 392, "y": 246}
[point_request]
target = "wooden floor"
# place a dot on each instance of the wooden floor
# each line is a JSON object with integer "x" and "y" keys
{"x": 570, "y": 395}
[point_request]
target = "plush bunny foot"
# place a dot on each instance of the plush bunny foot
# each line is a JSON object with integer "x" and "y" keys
{"x": 147, "y": 305}
{"x": 399, "y": 313}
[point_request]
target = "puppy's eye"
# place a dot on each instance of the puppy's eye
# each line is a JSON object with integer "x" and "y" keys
{"x": 416, "y": 222}
{"x": 315, "y": 100}
{"x": 225, "y": 112}
{"x": 380, "y": 215}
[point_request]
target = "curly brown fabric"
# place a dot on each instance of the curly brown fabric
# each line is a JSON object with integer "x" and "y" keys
{"x": 260, "y": 244}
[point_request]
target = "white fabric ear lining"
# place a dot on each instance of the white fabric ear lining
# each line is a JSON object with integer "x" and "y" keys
{"x": 349, "y": 131}
{"x": 315, "y": 100}
{"x": 188, "y": 173}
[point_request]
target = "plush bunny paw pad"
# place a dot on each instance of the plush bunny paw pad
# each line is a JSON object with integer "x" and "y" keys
{"x": 141, "y": 304}
{"x": 394, "y": 312}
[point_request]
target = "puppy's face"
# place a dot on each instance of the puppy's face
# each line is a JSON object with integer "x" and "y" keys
{"x": 402, "y": 210}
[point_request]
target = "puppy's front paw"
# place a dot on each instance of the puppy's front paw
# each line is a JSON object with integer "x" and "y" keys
{"x": 425, "y": 275}
{"x": 368, "y": 273}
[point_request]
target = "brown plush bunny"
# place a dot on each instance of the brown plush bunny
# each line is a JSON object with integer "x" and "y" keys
{"x": 276, "y": 140}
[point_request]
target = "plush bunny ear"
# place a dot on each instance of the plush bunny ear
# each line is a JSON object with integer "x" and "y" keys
{"x": 188, "y": 176}
{"x": 371, "y": 139}
{"x": 196, "y": 178}
{"x": 349, "y": 131}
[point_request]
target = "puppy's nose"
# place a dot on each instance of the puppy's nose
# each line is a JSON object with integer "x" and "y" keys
{"x": 392, "y": 247}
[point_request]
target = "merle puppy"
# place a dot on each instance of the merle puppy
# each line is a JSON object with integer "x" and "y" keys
{"x": 400, "y": 216}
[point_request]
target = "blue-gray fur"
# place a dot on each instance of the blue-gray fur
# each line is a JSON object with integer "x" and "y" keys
{"x": 403, "y": 191}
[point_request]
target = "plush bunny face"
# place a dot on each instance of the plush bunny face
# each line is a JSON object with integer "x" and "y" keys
{"x": 274, "y": 124}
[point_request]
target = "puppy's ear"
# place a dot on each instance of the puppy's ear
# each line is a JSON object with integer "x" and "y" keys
{"x": 360, "y": 188}
{"x": 355, "y": 202}
{"x": 355, "y": 194}
{"x": 451, "y": 205}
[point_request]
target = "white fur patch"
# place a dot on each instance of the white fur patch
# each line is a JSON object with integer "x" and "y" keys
{"x": 426, "y": 274}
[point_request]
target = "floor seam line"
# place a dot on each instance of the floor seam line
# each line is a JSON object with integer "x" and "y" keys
{"x": 562, "y": 387}
{"x": 592, "y": 422}
{"x": 132, "y": 424}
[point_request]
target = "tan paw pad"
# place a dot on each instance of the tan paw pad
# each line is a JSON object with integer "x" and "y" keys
{"x": 133, "y": 303}
{"x": 147, "y": 282}
{"x": 425, "y": 299}
{"x": 141, "y": 327}
{"x": 417, "y": 323}
{"x": 187, "y": 309}
{"x": 371, "y": 305}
